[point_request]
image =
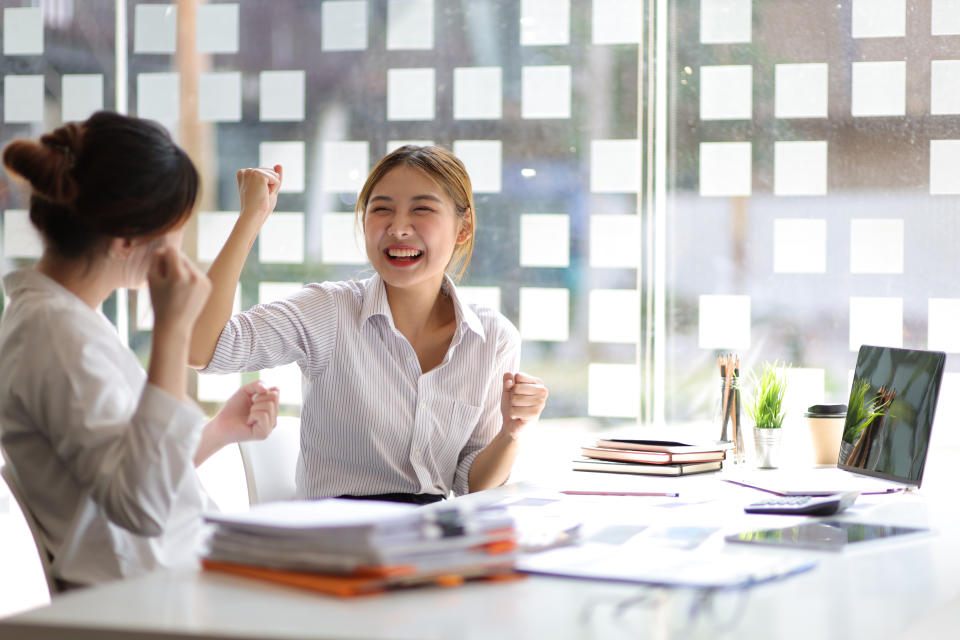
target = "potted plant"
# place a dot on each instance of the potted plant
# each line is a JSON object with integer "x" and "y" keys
{"x": 766, "y": 411}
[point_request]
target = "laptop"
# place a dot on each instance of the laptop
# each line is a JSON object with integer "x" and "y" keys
{"x": 886, "y": 453}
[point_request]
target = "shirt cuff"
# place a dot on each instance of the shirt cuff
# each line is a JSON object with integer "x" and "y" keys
{"x": 169, "y": 418}
{"x": 461, "y": 481}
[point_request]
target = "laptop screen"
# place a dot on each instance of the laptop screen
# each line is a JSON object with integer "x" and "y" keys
{"x": 890, "y": 412}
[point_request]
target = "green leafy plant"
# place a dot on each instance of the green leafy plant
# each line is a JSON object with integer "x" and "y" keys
{"x": 766, "y": 406}
{"x": 861, "y": 411}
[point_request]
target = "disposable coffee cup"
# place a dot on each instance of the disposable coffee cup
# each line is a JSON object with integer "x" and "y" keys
{"x": 826, "y": 428}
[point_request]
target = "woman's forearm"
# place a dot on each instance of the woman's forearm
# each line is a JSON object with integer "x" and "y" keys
{"x": 492, "y": 466}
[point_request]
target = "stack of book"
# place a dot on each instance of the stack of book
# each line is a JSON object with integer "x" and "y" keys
{"x": 654, "y": 457}
{"x": 351, "y": 547}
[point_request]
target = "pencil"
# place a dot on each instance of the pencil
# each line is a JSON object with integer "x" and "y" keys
{"x": 654, "y": 494}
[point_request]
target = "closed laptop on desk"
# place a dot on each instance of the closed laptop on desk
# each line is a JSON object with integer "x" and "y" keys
{"x": 886, "y": 452}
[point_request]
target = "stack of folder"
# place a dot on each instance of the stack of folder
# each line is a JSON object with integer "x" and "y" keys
{"x": 351, "y": 547}
{"x": 651, "y": 457}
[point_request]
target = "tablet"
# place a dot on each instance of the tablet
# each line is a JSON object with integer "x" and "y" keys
{"x": 829, "y": 535}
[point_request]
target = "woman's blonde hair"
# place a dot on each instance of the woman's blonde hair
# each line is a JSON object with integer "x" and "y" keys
{"x": 446, "y": 170}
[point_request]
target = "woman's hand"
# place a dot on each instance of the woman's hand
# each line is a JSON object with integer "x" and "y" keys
{"x": 258, "y": 191}
{"x": 178, "y": 291}
{"x": 249, "y": 414}
{"x": 521, "y": 402}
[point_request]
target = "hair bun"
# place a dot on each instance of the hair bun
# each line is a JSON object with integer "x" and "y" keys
{"x": 48, "y": 165}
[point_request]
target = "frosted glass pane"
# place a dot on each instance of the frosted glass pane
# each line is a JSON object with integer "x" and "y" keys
{"x": 144, "y": 319}
{"x": 155, "y": 28}
{"x": 488, "y": 297}
{"x": 411, "y": 94}
{"x": 614, "y": 315}
{"x": 340, "y": 240}
{"x": 213, "y": 229}
{"x": 23, "y": 31}
{"x": 281, "y": 238}
{"x": 879, "y": 88}
{"x": 726, "y": 92}
{"x": 484, "y": 161}
{"x": 20, "y": 238}
{"x": 725, "y": 21}
{"x": 724, "y": 322}
{"x": 800, "y": 168}
{"x": 218, "y": 28}
{"x": 944, "y": 160}
{"x": 614, "y": 166}
{"x": 544, "y": 314}
{"x": 944, "y": 86}
{"x": 805, "y": 387}
{"x": 273, "y": 291}
{"x": 288, "y": 380}
{"x": 345, "y": 166}
{"x": 343, "y": 25}
{"x": 82, "y": 96}
{"x": 617, "y": 21}
{"x": 23, "y": 98}
{"x": 216, "y": 387}
{"x": 544, "y": 240}
{"x": 879, "y": 18}
{"x": 410, "y": 24}
{"x": 945, "y": 17}
{"x": 477, "y": 93}
{"x": 615, "y": 241}
{"x": 801, "y": 91}
{"x": 158, "y": 97}
{"x": 544, "y": 22}
{"x": 876, "y": 246}
{"x": 799, "y": 246}
{"x": 282, "y": 95}
{"x": 612, "y": 390}
{"x": 291, "y": 156}
{"x": 219, "y": 97}
{"x": 393, "y": 145}
{"x": 725, "y": 169}
{"x": 546, "y": 92}
{"x": 876, "y": 321}
{"x": 945, "y": 434}
{"x": 943, "y": 319}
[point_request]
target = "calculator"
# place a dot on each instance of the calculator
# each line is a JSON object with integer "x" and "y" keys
{"x": 804, "y": 505}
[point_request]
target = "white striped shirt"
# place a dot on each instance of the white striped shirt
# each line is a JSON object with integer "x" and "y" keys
{"x": 372, "y": 422}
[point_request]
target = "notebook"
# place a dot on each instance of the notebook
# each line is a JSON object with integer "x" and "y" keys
{"x": 889, "y": 453}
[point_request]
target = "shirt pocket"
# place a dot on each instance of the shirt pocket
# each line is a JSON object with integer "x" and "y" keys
{"x": 454, "y": 424}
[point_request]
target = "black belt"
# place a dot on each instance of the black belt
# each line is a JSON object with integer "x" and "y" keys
{"x": 412, "y": 498}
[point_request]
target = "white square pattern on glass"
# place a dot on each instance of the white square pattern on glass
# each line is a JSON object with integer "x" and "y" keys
{"x": 614, "y": 315}
{"x": 409, "y": 24}
{"x": 879, "y": 88}
{"x": 343, "y": 25}
{"x": 282, "y": 95}
{"x": 488, "y": 297}
{"x": 218, "y": 27}
{"x": 411, "y": 94}
{"x": 944, "y": 160}
{"x": 617, "y": 21}
{"x": 879, "y": 18}
{"x": 544, "y": 314}
{"x": 724, "y": 322}
{"x": 799, "y": 245}
{"x": 944, "y": 87}
{"x": 876, "y": 246}
{"x": 723, "y": 21}
{"x": 282, "y": 238}
{"x": 340, "y": 240}
{"x": 945, "y": 18}
{"x": 345, "y": 165}
{"x": 546, "y": 91}
{"x": 614, "y": 166}
{"x": 20, "y": 238}
{"x": 158, "y": 97}
{"x": 544, "y": 240}
{"x": 23, "y": 98}
{"x": 291, "y": 156}
{"x": 605, "y": 385}
{"x": 544, "y": 22}
{"x": 23, "y": 31}
{"x": 483, "y": 160}
{"x": 155, "y": 28}
{"x": 144, "y": 319}
{"x": 943, "y": 318}
{"x": 477, "y": 93}
{"x": 726, "y": 92}
{"x": 805, "y": 387}
{"x": 217, "y": 387}
{"x": 725, "y": 168}
{"x": 877, "y": 321}
{"x": 615, "y": 241}
{"x": 800, "y": 168}
{"x": 213, "y": 228}
{"x": 219, "y": 97}
{"x": 288, "y": 379}
{"x": 274, "y": 291}
{"x": 82, "y": 96}
{"x": 801, "y": 90}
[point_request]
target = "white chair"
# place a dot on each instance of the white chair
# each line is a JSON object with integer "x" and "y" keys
{"x": 271, "y": 465}
{"x": 9, "y": 476}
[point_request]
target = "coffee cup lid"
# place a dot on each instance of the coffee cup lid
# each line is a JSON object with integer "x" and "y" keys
{"x": 826, "y": 411}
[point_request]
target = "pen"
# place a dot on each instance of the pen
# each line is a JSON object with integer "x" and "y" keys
{"x": 622, "y": 493}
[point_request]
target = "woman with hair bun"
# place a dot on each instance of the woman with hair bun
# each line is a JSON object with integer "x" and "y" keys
{"x": 104, "y": 451}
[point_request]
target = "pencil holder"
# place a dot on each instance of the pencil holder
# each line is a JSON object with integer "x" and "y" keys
{"x": 727, "y": 417}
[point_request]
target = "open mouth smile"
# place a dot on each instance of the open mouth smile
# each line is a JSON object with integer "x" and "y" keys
{"x": 402, "y": 256}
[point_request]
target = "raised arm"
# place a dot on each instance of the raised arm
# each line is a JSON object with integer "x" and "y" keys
{"x": 258, "y": 196}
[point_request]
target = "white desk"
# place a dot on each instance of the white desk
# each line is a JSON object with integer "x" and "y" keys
{"x": 876, "y": 592}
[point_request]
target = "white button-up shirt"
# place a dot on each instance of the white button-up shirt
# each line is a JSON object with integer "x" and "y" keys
{"x": 105, "y": 459}
{"x": 372, "y": 422}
